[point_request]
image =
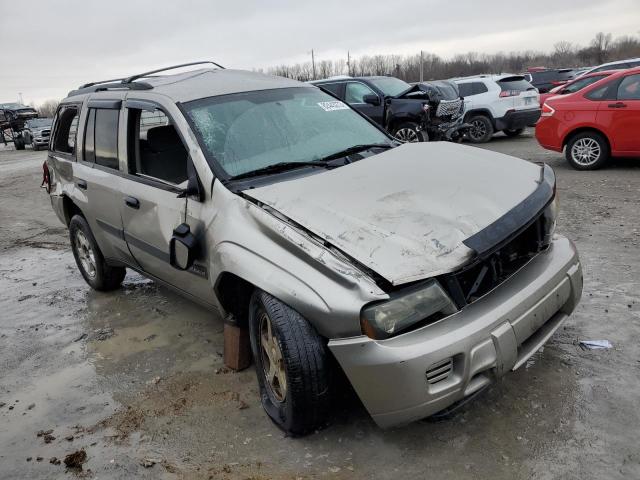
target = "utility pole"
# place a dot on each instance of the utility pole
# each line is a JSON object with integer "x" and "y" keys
{"x": 421, "y": 66}
{"x": 313, "y": 64}
{"x": 348, "y": 64}
{"x": 20, "y": 101}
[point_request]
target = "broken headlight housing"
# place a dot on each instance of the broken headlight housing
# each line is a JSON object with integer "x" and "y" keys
{"x": 421, "y": 303}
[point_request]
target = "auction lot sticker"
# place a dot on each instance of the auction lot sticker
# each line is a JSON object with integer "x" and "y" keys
{"x": 331, "y": 106}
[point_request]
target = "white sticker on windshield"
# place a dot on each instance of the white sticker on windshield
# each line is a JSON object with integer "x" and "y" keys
{"x": 331, "y": 106}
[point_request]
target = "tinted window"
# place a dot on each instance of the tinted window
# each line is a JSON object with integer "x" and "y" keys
{"x": 89, "y": 137}
{"x": 355, "y": 92}
{"x": 514, "y": 83}
{"x": 634, "y": 64}
{"x": 334, "y": 88}
{"x": 390, "y": 86}
{"x": 466, "y": 89}
{"x": 599, "y": 93}
{"x": 479, "y": 87}
{"x": 247, "y": 131}
{"x": 629, "y": 88}
{"x": 106, "y": 137}
{"x": 155, "y": 148}
{"x": 66, "y": 127}
{"x": 581, "y": 83}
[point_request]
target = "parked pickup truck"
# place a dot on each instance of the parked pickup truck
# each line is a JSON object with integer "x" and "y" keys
{"x": 411, "y": 113}
{"x": 421, "y": 270}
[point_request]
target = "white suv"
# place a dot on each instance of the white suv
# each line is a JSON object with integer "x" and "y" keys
{"x": 493, "y": 103}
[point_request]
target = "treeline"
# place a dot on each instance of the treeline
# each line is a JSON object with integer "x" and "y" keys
{"x": 601, "y": 49}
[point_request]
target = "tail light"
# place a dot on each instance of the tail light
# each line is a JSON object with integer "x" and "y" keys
{"x": 509, "y": 93}
{"x": 547, "y": 111}
{"x": 46, "y": 178}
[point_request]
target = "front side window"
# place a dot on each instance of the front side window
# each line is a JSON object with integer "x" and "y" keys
{"x": 248, "y": 131}
{"x": 355, "y": 93}
{"x": 156, "y": 150}
{"x": 66, "y": 129}
{"x": 629, "y": 88}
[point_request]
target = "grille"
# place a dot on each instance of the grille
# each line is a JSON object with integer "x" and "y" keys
{"x": 45, "y": 133}
{"x": 474, "y": 281}
{"x": 440, "y": 371}
{"x": 449, "y": 108}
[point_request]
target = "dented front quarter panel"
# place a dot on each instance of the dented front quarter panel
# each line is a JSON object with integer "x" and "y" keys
{"x": 256, "y": 245}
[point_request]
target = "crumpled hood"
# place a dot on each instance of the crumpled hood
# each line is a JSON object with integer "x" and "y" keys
{"x": 404, "y": 213}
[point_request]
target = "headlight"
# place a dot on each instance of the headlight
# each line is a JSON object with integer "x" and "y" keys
{"x": 550, "y": 216}
{"x": 411, "y": 306}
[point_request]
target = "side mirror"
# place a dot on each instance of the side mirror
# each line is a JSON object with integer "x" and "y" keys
{"x": 371, "y": 99}
{"x": 182, "y": 247}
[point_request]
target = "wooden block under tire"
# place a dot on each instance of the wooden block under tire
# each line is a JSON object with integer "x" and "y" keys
{"x": 237, "y": 349}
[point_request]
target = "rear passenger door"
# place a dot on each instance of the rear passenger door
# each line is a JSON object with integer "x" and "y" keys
{"x": 93, "y": 149}
{"x": 151, "y": 205}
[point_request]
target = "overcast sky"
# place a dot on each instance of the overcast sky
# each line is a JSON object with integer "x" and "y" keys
{"x": 50, "y": 47}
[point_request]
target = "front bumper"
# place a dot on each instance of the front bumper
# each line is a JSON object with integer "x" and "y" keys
{"x": 517, "y": 119}
{"x": 41, "y": 141}
{"x": 419, "y": 373}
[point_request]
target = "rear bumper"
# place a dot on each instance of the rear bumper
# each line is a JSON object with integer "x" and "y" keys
{"x": 517, "y": 119}
{"x": 549, "y": 135}
{"x": 417, "y": 374}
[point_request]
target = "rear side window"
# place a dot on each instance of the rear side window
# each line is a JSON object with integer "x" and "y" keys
{"x": 514, "y": 84}
{"x": 606, "y": 92}
{"x": 629, "y": 88}
{"x": 479, "y": 87}
{"x": 101, "y": 137}
{"x": 465, "y": 89}
{"x": 472, "y": 88}
{"x": 66, "y": 128}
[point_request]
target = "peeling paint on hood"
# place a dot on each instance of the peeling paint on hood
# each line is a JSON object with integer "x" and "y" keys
{"x": 404, "y": 213}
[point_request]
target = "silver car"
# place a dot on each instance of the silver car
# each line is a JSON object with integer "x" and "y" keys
{"x": 422, "y": 271}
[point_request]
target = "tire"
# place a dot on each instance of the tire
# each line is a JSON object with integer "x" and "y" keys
{"x": 89, "y": 259}
{"x": 513, "y": 133}
{"x": 297, "y": 397}
{"x": 35, "y": 147}
{"x": 408, "y": 132}
{"x": 19, "y": 144}
{"x": 587, "y": 151}
{"x": 481, "y": 129}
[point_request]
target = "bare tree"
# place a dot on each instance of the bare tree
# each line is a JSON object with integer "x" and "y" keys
{"x": 601, "y": 45}
{"x": 48, "y": 108}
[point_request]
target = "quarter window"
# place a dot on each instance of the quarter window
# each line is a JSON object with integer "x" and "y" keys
{"x": 101, "y": 137}
{"x": 629, "y": 88}
{"x": 66, "y": 128}
{"x": 333, "y": 88}
{"x": 355, "y": 93}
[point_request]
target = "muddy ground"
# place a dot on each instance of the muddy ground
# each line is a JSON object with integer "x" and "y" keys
{"x": 135, "y": 377}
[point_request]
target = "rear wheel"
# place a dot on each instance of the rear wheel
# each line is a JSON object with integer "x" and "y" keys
{"x": 513, "y": 133}
{"x": 481, "y": 129}
{"x": 587, "y": 151}
{"x": 89, "y": 259}
{"x": 292, "y": 365}
{"x": 409, "y": 132}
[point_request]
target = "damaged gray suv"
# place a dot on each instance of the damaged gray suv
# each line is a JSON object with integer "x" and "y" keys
{"x": 421, "y": 270}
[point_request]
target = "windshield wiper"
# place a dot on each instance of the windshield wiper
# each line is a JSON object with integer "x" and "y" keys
{"x": 279, "y": 167}
{"x": 355, "y": 149}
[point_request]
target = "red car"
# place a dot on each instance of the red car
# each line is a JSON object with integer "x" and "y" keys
{"x": 599, "y": 121}
{"x": 575, "y": 85}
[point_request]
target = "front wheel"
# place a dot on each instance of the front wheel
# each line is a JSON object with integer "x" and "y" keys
{"x": 89, "y": 259}
{"x": 587, "y": 151}
{"x": 409, "y": 132}
{"x": 292, "y": 365}
{"x": 513, "y": 133}
{"x": 35, "y": 146}
{"x": 19, "y": 144}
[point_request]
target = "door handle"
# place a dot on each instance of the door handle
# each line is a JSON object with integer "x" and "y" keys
{"x": 82, "y": 184}
{"x": 132, "y": 202}
{"x": 617, "y": 105}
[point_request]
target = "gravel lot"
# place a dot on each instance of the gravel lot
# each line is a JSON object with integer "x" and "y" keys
{"x": 135, "y": 377}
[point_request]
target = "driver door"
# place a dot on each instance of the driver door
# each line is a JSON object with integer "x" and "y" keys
{"x": 152, "y": 205}
{"x": 354, "y": 95}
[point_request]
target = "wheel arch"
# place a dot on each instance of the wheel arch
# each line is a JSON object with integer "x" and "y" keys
{"x": 577, "y": 131}
{"x": 69, "y": 209}
{"x": 480, "y": 111}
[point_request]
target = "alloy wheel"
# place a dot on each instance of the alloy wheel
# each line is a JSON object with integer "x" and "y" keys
{"x": 586, "y": 151}
{"x": 478, "y": 129}
{"x": 407, "y": 135}
{"x": 86, "y": 254}
{"x": 272, "y": 360}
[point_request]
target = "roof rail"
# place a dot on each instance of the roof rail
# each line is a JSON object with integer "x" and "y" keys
{"x": 146, "y": 74}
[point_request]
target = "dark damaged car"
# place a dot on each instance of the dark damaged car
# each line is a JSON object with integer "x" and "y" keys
{"x": 277, "y": 205}
{"x": 428, "y": 111}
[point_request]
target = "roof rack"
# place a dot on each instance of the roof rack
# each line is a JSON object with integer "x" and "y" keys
{"x": 129, "y": 83}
